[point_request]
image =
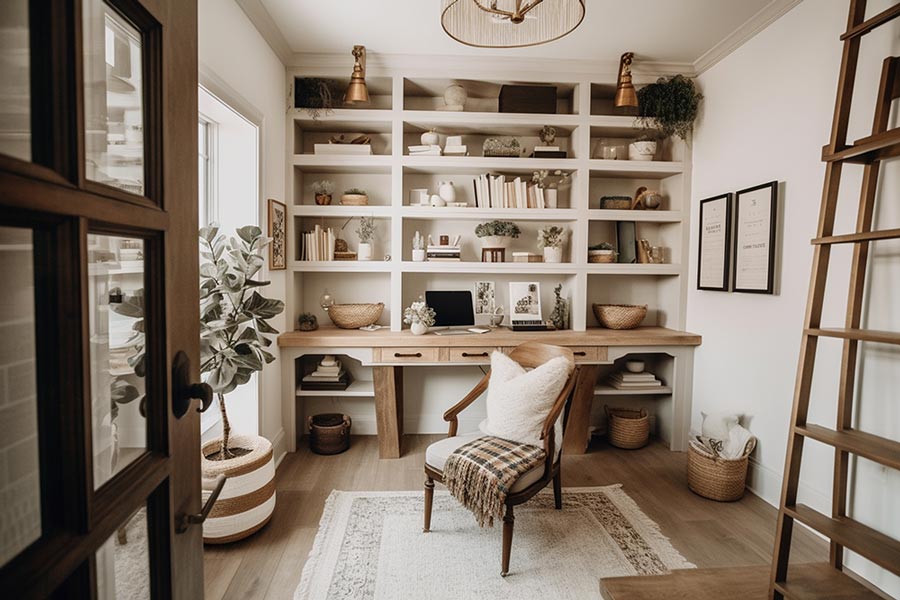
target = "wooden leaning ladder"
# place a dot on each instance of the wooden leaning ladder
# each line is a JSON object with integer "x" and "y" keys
{"x": 843, "y": 531}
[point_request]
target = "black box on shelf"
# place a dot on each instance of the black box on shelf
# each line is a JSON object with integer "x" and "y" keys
{"x": 528, "y": 99}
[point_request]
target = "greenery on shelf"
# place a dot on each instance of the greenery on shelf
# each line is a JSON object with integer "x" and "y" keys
{"x": 603, "y": 246}
{"x": 560, "y": 315}
{"x": 355, "y": 192}
{"x": 498, "y": 228}
{"x": 307, "y": 322}
{"x": 366, "y": 230}
{"x": 670, "y": 106}
{"x": 551, "y": 236}
{"x": 323, "y": 187}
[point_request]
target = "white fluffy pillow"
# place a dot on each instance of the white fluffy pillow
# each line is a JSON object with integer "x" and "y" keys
{"x": 717, "y": 425}
{"x": 518, "y": 401}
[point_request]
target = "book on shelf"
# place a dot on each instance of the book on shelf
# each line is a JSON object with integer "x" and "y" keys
{"x": 444, "y": 259}
{"x": 455, "y": 150}
{"x": 626, "y": 381}
{"x": 327, "y": 386}
{"x": 317, "y": 244}
{"x": 541, "y": 152}
{"x": 425, "y": 150}
{"x": 343, "y": 149}
{"x": 527, "y": 257}
{"x": 498, "y": 192}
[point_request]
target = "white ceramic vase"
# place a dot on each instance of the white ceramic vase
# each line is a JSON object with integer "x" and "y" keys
{"x": 641, "y": 150}
{"x": 364, "y": 252}
{"x": 495, "y": 241}
{"x": 418, "y": 328}
{"x": 551, "y": 197}
{"x": 455, "y": 96}
{"x": 430, "y": 138}
{"x": 447, "y": 192}
{"x": 418, "y": 255}
{"x": 437, "y": 201}
{"x": 552, "y": 255}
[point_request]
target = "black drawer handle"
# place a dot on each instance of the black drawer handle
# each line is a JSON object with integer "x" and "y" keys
{"x": 399, "y": 355}
{"x": 474, "y": 354}
{"x": 580, "y": 353}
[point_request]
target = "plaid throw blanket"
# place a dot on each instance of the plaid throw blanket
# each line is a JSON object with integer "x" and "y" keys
{"x": 480, "y": 474}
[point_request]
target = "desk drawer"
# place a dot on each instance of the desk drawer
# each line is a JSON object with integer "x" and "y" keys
{"x": 476, "y": 354}
{"x": 406, "y": 355}
{"x": 589, "y": 354}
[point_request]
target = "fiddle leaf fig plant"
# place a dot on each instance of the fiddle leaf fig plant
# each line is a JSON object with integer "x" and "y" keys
{"x": 233, "y": 315}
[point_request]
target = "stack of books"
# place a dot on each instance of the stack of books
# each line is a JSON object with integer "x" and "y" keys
{"x": 548, "y": 152}
{"x": 328, "y": 376}
{"x": 455, "y": 147}
{"x": 527, "y": 257}
{"x": 634, "y": 381}
{"x": 425, "y": 150}
{"x": 494, "y": 191}
{"x": 449, "y": 253}
{"x": 317, "y": 244}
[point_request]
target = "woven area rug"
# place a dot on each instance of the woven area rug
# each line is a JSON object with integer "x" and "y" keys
{"x": 370, "y": 545}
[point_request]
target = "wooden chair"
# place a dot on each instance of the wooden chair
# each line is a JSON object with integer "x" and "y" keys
{"x": 529, "y": 355}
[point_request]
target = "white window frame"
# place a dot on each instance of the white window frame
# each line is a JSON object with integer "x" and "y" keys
{"x": 209, "y": 205}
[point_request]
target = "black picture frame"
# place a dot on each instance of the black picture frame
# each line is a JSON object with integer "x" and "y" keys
{"x": 626, "y": 241}
{"x": 726, "y": 250}
{"x": 770, "y": 236}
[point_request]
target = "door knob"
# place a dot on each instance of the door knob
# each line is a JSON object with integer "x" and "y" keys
{"x": 183, "y": 391}
{"x": 183, "y": 520}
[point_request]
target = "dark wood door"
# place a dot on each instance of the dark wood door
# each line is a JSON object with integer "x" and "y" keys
{"x": 99, "y": 439}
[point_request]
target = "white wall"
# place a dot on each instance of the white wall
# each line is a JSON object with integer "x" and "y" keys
{"x": 232, "y": 51}
{"x": 766, "y": 116}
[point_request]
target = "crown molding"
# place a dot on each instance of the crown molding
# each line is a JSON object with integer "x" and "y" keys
{"x": 267, "y": 28}
{"x": 740, "y": 36}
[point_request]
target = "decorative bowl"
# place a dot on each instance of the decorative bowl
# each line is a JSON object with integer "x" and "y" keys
{"x": 634, "y": 366}
{"x": 354, "y": 316}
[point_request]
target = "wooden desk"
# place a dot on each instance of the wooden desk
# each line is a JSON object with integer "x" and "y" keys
{"x": 387, "y": 352}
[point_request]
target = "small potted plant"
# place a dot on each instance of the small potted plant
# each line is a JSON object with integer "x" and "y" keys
{"x": 355, "y": 197}
{"x": 366, "y": 233}
{"x": 601, "y": 253}
{"x": 419, "y": 316}
{"x": 323, "y": 191}
{"x": 418, "y": 249}
{"x": 307, "y": 322}
{"x": 669, "y": 106}
{"x": 642, "y": 148}
{"x": 497, "y": 234}
{"x": 551, "y": 184}
{"x": 552, "y": 238}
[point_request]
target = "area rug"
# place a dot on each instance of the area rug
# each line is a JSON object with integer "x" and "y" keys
{"x": 370, "y": 545}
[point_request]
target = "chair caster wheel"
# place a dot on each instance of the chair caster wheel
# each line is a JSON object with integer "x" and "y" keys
{"x": 504, "y": 573}
{"x": 425, "y": 530}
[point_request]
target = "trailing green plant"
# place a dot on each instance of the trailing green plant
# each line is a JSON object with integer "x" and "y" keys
{"x": 551, "y": 236}
{"x": 366, "y": 230}
{"x": 498, "y": 228}
{"x": 602, "y": 246}
{"x": 670, "y": 106}
{"x": 233, "y": 315}
{"x": 315, "y": 95}
{"x": 355, "y": 192}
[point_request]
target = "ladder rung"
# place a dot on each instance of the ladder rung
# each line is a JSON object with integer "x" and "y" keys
{"x": 852, "y": 238}
{"x": 867, "y": 445}
{"x": 868, "y": 149}
{"x": 870, "y": 24}
{"x": 862, "y": 335}
{"x": 815, "y": 581}
{"x": 882, "y": 550}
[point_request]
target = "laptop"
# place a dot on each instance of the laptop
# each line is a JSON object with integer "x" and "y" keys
{"x": 453, "y": 310}
{"x": 525, "y": 307}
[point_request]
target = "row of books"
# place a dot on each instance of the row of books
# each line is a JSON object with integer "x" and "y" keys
{"x": 329, "y": 375}
{"x": 435, "y": 253}
{"x": 317, "y": 244}
{"x": 630, "y": 381}
{"x": 496, "y": 191}
{"x": 435, "y": 150}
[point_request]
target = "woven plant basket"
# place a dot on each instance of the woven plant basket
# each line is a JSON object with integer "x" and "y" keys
{"x": 717, "y": 478}
{"x": 354, "y": 316}
{"x": 620, "y": 316}
{"x": 329, "y": 433}
{"x": 606, "y": 257}
{"x": 628, "y": 429}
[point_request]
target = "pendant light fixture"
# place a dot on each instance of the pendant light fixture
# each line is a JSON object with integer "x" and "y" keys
{"x": 510, "y": 23}
{"x": 357, "y": 92}
{"x": 625, "y": 94}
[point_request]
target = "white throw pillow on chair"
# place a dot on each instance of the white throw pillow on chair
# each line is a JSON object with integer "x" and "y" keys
{"x": 519, "y": 401}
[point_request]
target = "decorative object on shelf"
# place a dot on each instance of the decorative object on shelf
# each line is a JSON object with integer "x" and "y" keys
{"x": 342, "y": 250}
{"x": 527, "y": 257}
{"x": 551, "y": 240}
{"x": 533, "y": 99}
{"x": 354, "y": 197}
{"x": 307, "y": 322}
{"x": 628, "y": 429}
{"x": 620, "y": 316}
{"x": 447, "y": 192}
{"x": 525, "y": 301}
{"x": 615, "y": 202}
{"x": 626, "y": 97}
{"x": 315, "y": 95}
{"x": 603, "y": 252}
{"x": 559, "y": 316}
{"x": 497, "y": 234}
{"x": 234, "y": 323}
{"x": 644, "y": 252}
{"x": 550, "y": 185}
{"x": 437, "y": 201}
{"x": 278, "y": 233}
{"x": 547, "y": 135}
{"x": 454, "y": 146}
{"x": 646, "y": 199}
{"x": 326, "y": 300}
{"x": 425, "y": 150}
{"x": 329, "y": 433}
{"x": 418, "y": 197}
{"x": 754, "y": 238}
{"x": 455, "y": 97}
{"x": 502, "y": 147}
{"x": 485, "y": 298}
{"x": 338, "y": 145}
{"x": 329, "y": 375}
{"x": 366, "y": 233}
{"x": 323, "y": 190}
{"x": 497, "y": 316}
{"x": 626, "y": 241}
{"x": 609, "y": 149}
{"x": 493, "y": 255}
{"x": 357, "y": 92}
{"x": 419, "y": 316}
{"x": 355, "y": 316}
{"x": 444, "y": 240}
{"x": 669, "y": 106}
{"x": 418, "y": 248}
{"x": 511, "y": 24}
{"x": 714, "y": 243}
{"x": 446, "y": 250}
{"x": 643, "y": 148}
{"x": 430, "y": 138}
{"x": 341, "y": 140}
{"x": 634, "y": 366}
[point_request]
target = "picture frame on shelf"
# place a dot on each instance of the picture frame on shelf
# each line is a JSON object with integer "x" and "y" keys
{"x": 714, "y": 243}
{"x": 525, "y": 301}
{"x": 626, "y": 241}
{"x": 755, "y": 211}
{"x": 485, "y": 298}
{"x": 278, "y": 232}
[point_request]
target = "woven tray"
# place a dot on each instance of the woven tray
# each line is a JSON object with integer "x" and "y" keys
{"x": 629, "y": 429}
{"x": 717, "y": 478}
{"x": 620, "y": 316}
{"x": 354, "y": 316}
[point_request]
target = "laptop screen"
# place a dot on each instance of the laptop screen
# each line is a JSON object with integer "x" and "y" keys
{"x": 452, "y": 309}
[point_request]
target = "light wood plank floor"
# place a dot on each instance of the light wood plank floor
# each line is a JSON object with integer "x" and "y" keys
{"x": 709, "y": 534}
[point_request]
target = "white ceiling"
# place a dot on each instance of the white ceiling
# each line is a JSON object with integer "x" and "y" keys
{"x": 680, "y": 31}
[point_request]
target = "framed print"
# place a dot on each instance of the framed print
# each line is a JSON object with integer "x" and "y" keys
{"x": 626, "y": 241}
{"x": 484, "y": 298}
{"x": 278, "y": 233}
{"x": 754, "y": 238}
{"x": 714, "y": 246}
{"x": 525, "y": 301}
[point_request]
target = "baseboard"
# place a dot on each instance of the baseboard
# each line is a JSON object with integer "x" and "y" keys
{"x": 279, "y": 449}
{"x": 766, "y": 483}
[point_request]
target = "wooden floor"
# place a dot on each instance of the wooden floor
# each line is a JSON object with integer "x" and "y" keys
{"x": 709, "y": 534}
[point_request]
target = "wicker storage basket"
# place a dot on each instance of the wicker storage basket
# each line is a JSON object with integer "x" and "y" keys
{"x": 629, "y": 429}
{"x": 620, "y": 316}
{"x": 354, "y": 316}
{"x": 601, "y": 257}
{"x": 329, "y": 433}
{"x": 615, "y": 202}
{"x": 717, "y": 478}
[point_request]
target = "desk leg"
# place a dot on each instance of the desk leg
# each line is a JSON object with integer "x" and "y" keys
{"x": 389, "y": 409}
{"x": 578, "y": 434}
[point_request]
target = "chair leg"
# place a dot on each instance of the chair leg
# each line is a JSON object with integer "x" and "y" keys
{"x": 508, "y": 521}
{"x": 429, "y": 498}
{"x": 557, "y": 489}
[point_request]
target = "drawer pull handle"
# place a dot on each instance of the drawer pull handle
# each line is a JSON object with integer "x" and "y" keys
{"x": 400, "y": 355}
{"x": 580, "y": 353}
{"x": 474, "y": 354}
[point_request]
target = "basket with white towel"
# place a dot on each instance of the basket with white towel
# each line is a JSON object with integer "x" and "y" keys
{"x": 718, "y": 458}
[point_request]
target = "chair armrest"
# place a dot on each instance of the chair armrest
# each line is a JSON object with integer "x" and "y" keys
{"x": 558, "y": 406}
{"x": 451, "y": 414}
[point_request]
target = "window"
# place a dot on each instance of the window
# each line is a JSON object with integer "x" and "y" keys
{"x": 207, "y": 171}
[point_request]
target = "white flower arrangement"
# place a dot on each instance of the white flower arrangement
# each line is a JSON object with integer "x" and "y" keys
{"x": 419, "y": 312}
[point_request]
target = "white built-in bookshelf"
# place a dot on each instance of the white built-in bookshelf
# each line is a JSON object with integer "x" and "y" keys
{"x": 403, "y": 106}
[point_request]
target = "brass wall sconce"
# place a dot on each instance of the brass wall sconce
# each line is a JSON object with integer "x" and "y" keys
{"x": 625, "y": 93}
{"x": 357, "y": 92}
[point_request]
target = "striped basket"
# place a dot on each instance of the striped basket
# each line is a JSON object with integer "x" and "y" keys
{"x": 248, "y": 498}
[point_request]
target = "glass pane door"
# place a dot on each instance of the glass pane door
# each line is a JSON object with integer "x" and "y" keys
{"x": 15, "y": 80}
